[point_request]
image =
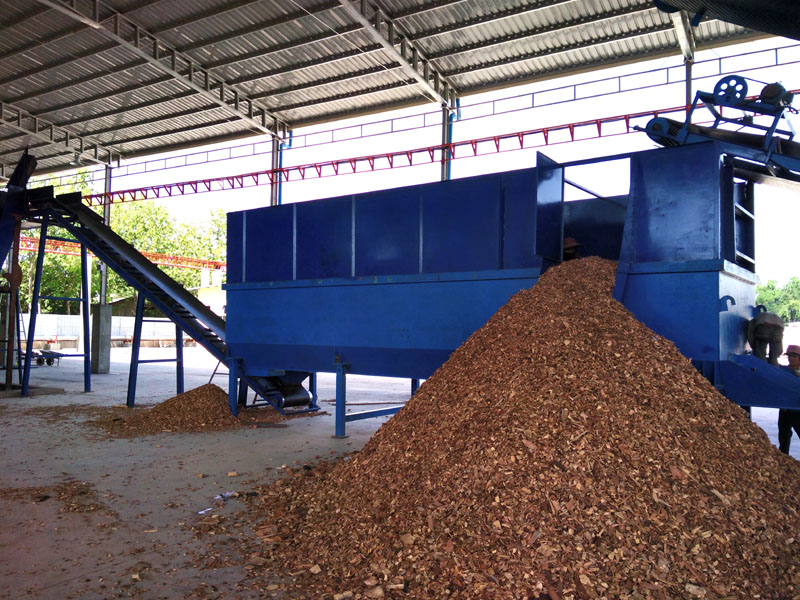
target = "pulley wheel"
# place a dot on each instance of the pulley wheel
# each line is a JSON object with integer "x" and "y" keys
{"x": 731, "y": 90}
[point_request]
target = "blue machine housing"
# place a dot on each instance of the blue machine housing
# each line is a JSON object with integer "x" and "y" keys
{"x": 384, "y": 283}
{"x": 391, "y": 282}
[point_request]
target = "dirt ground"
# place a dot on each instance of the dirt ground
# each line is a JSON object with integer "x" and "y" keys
{"x": 87, "y": 515}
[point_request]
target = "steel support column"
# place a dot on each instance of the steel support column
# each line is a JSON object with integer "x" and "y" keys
{"x": 87, "y": 361}
{"x": 341, "y": 400}
{"x": 135, "y": 344}
{"x": 37, "y": 287}
{"x": 275, "y": 184}
{"x": 233, "y": 381}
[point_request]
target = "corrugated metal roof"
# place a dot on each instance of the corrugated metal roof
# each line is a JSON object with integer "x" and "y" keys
{"x": 300, "y": 61}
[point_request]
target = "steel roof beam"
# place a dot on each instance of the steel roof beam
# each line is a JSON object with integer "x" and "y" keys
{"x": 684, "y": 33}
{"x": 64, "y": 33}
{"x": 262, "y": 25}
{"x": 565, "y": 48}
{"x": 327, "y": 6}
{"x": 27, "y": 124}
{"x": 446, "y": 54}
{"x": 178, "y": 65}
{"x": 499, "y": 15}
{"x": 384, "y": 31}
{"x": 423, "y": 35}
{"x": 521, "y": 35}
{"x": 357, "y": 74}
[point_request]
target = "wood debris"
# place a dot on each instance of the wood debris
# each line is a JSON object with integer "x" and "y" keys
{"x": 203, "y": 408}
{"x": 73, "y": 496}
{"x": 563, "y": 451}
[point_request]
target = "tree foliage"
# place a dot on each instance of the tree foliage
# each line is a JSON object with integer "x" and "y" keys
{"x": 783, "y": 301}
{"x": 145, "y": 225}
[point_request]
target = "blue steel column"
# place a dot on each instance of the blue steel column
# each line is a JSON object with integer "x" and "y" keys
{"x": 37, "y": 284}
{"x": 19, "y": 341}
{"x": 179, "y": 358}
{"x": 233, "y": 379}
{"x": 87, "y": 342}
{"x": 414, "y": 386}
{"x": 137, "y": 340}
{"x": 341, "y": 400}
{"x": 275, "y": 184}
{"x": 312, "y": 388}
{"x": 447, "y": 138}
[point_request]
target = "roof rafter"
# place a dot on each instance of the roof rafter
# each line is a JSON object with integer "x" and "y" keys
{"x": 525, "y": 34}
{"x": 383, "y": 30}
{"x": 49, "y": 133}
{"x": 684, "y": 33}
{"x": 169, "y": 60}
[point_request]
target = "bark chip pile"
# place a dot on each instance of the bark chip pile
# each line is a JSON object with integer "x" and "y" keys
{"x": 564, "y": 451}
{"x": 204, "y": 408}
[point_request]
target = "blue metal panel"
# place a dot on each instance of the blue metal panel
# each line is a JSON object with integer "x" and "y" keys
{"x": 674, "y": 214}
{"x": 702, "y": 306}
{"x": 682, "y": 306}
{"x": 268, "y": 243}
{"x": 519, "y": 219}
{"x": 388, "y": 232}
{"x": 462, "y": 225}
{"x": 397, "y": 326}
{"x": 235, "y": 257}
{"x": 549, "y": 208}
{"x": 324, "y": 245}
{"x": 598, "y": 224}
{"x": 750, "y": 381}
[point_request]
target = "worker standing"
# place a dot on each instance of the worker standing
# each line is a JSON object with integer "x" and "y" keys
{"x": 765, "y": 333}
{"x": 571, "y": 248}
{"x": 789, "y": 419}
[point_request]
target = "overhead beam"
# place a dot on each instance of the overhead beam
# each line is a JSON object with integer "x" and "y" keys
{"x": 383, "y": 30}
{"x": 684, "y": 33}
{"x": 86, "y": 147}
{"x": 169, "y": 60}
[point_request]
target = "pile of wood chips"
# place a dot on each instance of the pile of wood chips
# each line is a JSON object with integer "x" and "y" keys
{"x": 204, "y": 408}
{"x": 74, "y": 496}
{"x": 565, "y": 451}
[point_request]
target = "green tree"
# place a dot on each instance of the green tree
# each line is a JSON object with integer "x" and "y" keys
{"x": 783, "y": 301}
{"x": 148, "y": 227}
{"x": 60, "y": 273}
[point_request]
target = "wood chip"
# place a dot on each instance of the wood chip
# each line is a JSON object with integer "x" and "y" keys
{"x": 606, "y": 467}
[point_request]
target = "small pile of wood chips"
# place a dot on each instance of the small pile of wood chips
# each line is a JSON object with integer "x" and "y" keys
{"x": 74, "y": 496}
{"x": 204, "y": 408}
{"x": 565, "y": 451}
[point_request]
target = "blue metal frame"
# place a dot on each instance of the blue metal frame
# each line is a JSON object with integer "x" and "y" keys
{"x": 36, "y": 297}
{"x": 136, "y": 345}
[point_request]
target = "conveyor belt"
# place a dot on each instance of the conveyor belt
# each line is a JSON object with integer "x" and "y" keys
{"x": 175, "y": 302}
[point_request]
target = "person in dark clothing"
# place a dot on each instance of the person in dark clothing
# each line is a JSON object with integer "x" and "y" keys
{"x": 571, "y": 247}
{"x": 765, "y": 333}
{"x": 789, "y": 419}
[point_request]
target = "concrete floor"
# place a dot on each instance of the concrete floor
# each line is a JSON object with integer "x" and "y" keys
{"x": 146, "y": 548}
{"x": 141, "y": 543}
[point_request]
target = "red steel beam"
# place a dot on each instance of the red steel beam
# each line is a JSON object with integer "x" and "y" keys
{"x": 542, "y": 136}
{"x": 31, "y": 244}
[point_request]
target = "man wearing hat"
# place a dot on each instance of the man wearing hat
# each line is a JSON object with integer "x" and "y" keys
{"x": 571, "y": 246}
{"x": 789, "y": 419}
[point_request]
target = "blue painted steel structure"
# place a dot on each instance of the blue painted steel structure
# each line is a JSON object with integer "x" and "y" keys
{"x": 385, "y": 283}
{"x": 36, "y": 297}
{"x": 390, "y": 282}
{"x": 136, "y": 361}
